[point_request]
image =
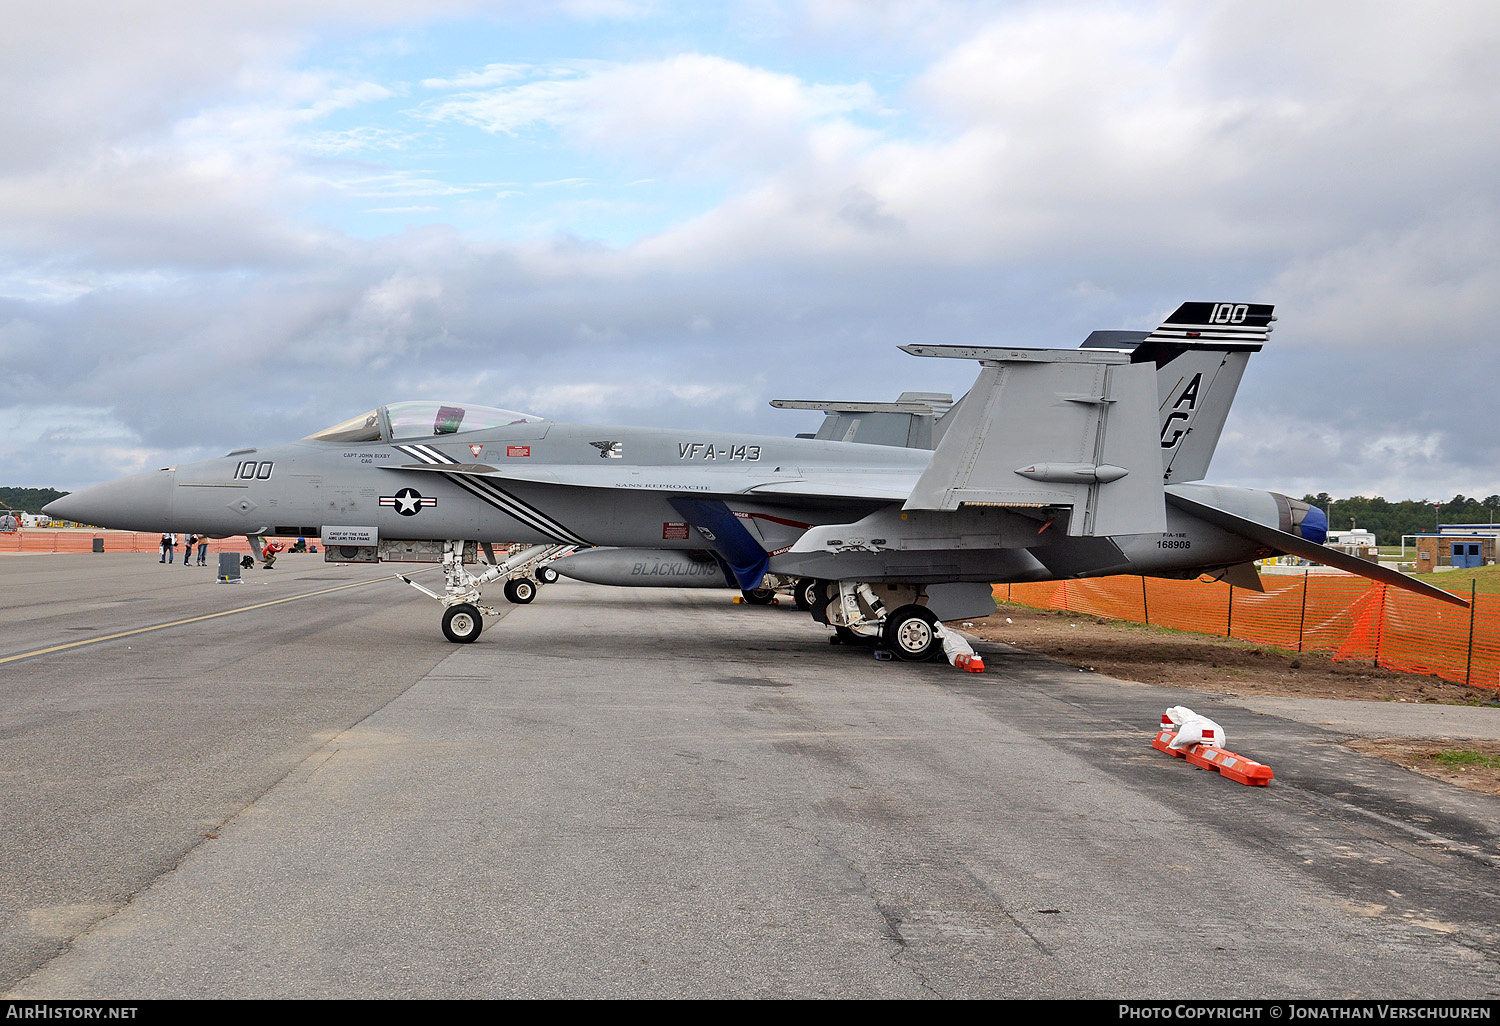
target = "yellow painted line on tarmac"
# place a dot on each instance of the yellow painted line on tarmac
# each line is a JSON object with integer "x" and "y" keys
{"x": 191, "y": 619}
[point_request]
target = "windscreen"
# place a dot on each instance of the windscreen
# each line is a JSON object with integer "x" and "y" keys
{"x": 426, "y": 419}
{"x": 364, "y": 428}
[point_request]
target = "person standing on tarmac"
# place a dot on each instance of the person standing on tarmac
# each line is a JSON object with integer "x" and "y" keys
{"x": 202, "y": 550}
{"x": 187, "y": 549}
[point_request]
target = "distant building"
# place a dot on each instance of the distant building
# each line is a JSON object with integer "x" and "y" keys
{"x": 1356, "y": 542}
{"x": 1493, "y": 530}
{"x": 1457, "y": 545}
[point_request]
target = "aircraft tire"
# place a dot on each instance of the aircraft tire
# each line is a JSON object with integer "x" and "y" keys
{"x": 546, "y": 575}
{"x": 759, "y": 596}
{"x": 909, "y": 633}
{"x": 806, "y": 593}
{"x": 462, "y": 623}
{"x": 820, "y": 594}
{"x": 520, "y": 591}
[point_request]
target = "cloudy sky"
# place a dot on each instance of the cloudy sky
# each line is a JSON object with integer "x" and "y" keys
{"x": 226, "y": 224}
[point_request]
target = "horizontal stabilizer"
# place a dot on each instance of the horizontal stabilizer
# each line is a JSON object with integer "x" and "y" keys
{"x": 1292, "y": 545}
{"x": 929, "y": 403}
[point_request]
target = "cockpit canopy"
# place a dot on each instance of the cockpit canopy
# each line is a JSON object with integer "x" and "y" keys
{"x": 419, "y": 420}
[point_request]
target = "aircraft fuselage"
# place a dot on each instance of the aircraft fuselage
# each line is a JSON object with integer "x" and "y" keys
{"x": 478, "y": 489}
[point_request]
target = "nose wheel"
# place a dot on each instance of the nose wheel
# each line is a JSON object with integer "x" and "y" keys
{"x": 462, "y": 623}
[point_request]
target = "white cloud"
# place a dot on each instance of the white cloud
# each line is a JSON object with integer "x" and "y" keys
{"x": 1026, "y": 173}
{"x": 1436, "y": 281}
{"x": 489, "y": 75}
{"x": 687, "y": 114}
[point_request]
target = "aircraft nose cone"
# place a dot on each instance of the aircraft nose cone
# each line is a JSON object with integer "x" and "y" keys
{"x": 140, "y": 502}
{"x": 60, "y": 509}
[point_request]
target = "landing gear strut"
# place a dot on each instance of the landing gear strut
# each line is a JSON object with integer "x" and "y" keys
{"x": 463, "y": 612}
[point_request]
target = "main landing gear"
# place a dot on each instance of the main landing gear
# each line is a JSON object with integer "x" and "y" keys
{"x": 463, "y": 612}
{"x": 891, "y": 617}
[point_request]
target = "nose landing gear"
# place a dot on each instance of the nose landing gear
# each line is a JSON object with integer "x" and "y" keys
{"x": 463, "y": 612}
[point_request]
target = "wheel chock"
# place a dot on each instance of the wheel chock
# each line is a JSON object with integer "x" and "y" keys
{"x": 969, "y": 663}
{"x": 1163, "y": 743}
{"x": 1235, "y": 767}
{"x": 1227, "y": 764}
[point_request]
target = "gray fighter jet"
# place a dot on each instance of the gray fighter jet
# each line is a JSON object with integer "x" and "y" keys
{"x": 1056, "y": 464}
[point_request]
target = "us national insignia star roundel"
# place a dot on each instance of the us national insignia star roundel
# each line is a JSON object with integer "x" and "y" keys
{"x": 407, "y": 501}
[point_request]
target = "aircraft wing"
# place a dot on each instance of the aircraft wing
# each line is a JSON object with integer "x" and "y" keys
{"x": 891, "y": 486}
{"x": 1295, "y": 546}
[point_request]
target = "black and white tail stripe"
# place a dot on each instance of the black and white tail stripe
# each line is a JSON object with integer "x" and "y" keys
{"x": 1240, "y": 324}
{"x": 495, "y": 496}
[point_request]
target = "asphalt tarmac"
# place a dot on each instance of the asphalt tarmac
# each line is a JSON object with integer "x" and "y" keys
{"x": 660, "y": 794}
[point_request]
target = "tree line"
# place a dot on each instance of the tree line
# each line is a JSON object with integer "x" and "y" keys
{"x": 28, "y": 500}
{"x": 1390, "y": 520}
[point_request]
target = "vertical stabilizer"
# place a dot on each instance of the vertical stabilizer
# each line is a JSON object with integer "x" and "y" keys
{"x": 1200, "y": 355}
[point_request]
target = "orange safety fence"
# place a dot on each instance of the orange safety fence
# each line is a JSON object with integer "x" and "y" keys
{"x": 42, "y": 540}
{"x": 1346, "y": 617}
